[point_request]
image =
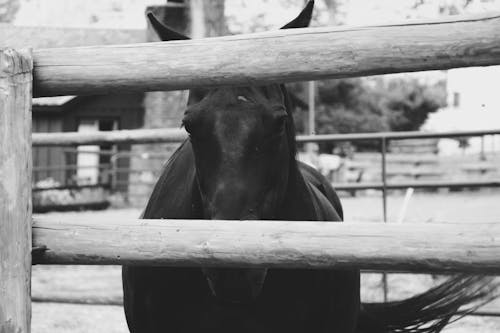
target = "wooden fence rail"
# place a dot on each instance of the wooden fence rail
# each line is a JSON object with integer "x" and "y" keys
{"x": 170, "y": 135}
{"x": 140, "y": 136}
{"x": 408, "y": 247}
{"x": 279, "y": 56}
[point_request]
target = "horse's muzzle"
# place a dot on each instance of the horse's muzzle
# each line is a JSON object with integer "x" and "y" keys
{"x": 235, "y": 285}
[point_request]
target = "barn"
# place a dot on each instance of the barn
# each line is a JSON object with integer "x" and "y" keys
{"x": 124, "y": 168}
{"x": 87, "y": 165}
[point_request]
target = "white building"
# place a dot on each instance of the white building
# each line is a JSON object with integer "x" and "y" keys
{"x": 473, "y": 104}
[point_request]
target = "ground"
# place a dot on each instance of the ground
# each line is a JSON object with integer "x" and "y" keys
{"x": 105, "y": 281}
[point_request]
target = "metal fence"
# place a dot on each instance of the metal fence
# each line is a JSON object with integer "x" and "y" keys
{"x": 384, "y": 186}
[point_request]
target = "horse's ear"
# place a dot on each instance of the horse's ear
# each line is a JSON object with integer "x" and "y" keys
{"x": 165, "y": 33}
{"x": 303, "y": 19}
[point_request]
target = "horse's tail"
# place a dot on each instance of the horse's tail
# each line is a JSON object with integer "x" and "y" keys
{"x": 431, "y": 311}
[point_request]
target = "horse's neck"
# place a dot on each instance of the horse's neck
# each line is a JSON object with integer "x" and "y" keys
{"x": 298, "y": 204}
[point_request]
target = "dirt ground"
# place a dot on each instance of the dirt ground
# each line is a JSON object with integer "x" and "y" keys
{"x": 105, "y": 281}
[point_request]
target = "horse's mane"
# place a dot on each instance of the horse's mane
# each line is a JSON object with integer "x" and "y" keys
{"x": 290, "y": 128}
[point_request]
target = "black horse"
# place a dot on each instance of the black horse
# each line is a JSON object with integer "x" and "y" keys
{"x": 239, "y": 164}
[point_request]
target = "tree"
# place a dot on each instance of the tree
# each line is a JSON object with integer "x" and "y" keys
{"x": 208, "y": 18}
{"x": 409, "y": 102}
{"x": 451, "y": 7}
{"x": 372, "y": 105}
{"x": 349, "y": 106}
{"x": 8, "y": 10}
{"x": 333, "y": 7}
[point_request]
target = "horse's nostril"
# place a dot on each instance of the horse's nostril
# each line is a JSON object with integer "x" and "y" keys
{"x": 235, "y": 285}
{"x": 251, "y": 214}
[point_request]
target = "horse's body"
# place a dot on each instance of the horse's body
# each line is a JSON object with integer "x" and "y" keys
{"x": 291, "y": 300}
{"x": 240, "y": 164}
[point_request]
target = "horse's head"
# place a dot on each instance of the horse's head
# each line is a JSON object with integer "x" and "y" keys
{"x": 243, "y": 143}
{"x": 239, "y": 138}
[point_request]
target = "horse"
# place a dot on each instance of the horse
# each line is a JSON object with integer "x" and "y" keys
{"x": 239, "y": 163}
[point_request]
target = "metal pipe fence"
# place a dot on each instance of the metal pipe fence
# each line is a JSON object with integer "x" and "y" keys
{"x": 384, "y": 186}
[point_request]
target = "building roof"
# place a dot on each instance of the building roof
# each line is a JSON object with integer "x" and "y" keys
{"x": 50, "y": 37}
{"x": 52, "y": 101}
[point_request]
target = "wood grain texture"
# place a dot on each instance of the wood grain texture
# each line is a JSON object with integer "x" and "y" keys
{"x": 72, "y": 299}
{"x": 139, "y": 136}
{"x": 408, "y": 247}
{"x": 279, "y": 56}
{"x": 15, "y": 190}
{"x": 170, "y": 135}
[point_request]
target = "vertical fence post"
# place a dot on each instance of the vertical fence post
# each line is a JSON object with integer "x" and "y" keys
{"x": 15, "y": 190}
{"x": 312, "y": 107}
{"x": 482, "y": 155}
{"x": 383, "y": 150}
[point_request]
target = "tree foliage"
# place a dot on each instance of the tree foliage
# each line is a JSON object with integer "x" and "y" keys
{"x": 454, "y": 7}
{"x": 374, "y": 104}
{"x": 8, "y": 10}
{"x": 408, "y": 103}
{"x": 215, "y": 22}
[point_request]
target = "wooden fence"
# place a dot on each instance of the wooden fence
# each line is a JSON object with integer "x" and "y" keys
{"x": 301, "y": 54}
{"x": 169, "y": 135}
{"x": 278, "y": 56}
{"x": 417, "y": 247}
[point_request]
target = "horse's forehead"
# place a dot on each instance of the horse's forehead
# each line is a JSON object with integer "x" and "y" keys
{"x": 263, "y": 95}
{"x": 236, "y": 124}
{"x": 237, "y": 112}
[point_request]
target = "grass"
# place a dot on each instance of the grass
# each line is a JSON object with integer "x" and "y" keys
{"x": 105, "y": 281}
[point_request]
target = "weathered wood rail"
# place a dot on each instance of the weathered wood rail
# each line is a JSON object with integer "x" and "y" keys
{"x": 139, "y": 136}
{"x": 408, "y": 247}
{"x": 170, "y": 135}
{"x": 279, "y": 56}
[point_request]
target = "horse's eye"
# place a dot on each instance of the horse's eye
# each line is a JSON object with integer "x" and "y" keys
{"x": 279, "y": 124}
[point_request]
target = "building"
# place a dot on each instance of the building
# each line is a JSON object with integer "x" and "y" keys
{"x": 130, "y": 170}
{"x": 473, "y": 104}
{"x": 84, "y": 165}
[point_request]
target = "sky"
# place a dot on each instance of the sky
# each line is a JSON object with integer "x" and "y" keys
{"x": 243, "y": 14}
{"x": 351, "y": 12}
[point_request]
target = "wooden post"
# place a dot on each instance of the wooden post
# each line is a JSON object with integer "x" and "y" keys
{"x": 15, "y": 190}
